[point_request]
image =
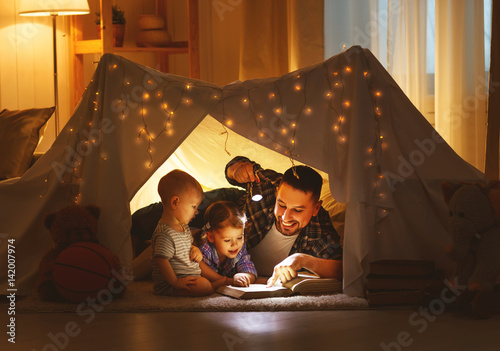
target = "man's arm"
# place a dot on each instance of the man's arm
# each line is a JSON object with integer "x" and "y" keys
{"x": 287, "y": 269}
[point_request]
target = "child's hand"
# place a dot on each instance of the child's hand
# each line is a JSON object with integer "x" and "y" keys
{"x": 195, "y": 254}
{"x": 185, "y": 283}
{"x": 241, "y": 279}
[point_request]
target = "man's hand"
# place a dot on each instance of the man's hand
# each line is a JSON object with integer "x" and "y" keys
{"x": 241, "y": 279}
{"x": 286, "y": 269}
{"x": 185, "y": 283}
{"x": 242, "y": 172}
{"x": 195, "y": 254}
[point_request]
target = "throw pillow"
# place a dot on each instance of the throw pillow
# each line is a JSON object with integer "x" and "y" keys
{"x": 19, "y": 136}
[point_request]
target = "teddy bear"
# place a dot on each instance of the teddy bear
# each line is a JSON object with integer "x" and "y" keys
{"x": 72, "y": 224}
{"x": 475, "y": 228}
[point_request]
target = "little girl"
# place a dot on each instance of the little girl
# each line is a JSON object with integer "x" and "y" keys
{"x": 224, "y": 250}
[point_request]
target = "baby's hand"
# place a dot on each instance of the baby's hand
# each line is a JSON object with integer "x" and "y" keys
{"x": 185, "y": 283}
{"x": 195, "y": 254}
{"x": 241, "y": 279}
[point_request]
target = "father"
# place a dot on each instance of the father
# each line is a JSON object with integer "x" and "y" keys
{"x": 288, "y": 229}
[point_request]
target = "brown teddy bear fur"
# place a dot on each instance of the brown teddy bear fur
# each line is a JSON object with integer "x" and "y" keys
{"x": 70, "y": 225}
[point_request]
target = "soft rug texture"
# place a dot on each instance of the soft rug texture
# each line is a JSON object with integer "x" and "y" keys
{"x": 140, "y": 298}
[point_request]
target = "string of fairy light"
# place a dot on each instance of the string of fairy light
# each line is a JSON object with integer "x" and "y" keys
{"x": 284, "y": 141}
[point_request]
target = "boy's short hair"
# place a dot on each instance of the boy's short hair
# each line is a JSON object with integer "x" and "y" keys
{"x": 304, "y": 178}
{"x": 175, "y": 183}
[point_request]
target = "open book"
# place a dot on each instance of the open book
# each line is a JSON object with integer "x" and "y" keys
{"x": 303, "y": 283}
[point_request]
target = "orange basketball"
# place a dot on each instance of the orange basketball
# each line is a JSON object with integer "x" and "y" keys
{"x": 82, "y": 270}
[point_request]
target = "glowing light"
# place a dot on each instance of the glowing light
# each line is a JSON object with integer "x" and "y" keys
{"x": 144, "y": 111}
{"x": 293, "y": 141}
{"x": 284, "y": 131}
{"x": 261, "y": 134}
{"x": 150, "y": 82}
{"x": 158, "y": 94}
{"x": 335, "y": 73}
{"x": 308, "y": 110}
{"x": 272, "y": 95}
{"x": 114, "y": 66}
{"x": 188, "y": 86}
{"x": 298, "y": 87}
{"x": 336, "y": 127}
{"x": 328, "y": 94}
{"x": 127, "y": 83}
{"x": 348, "y": 69}
{"x": 146, "y": 96}
{"x": 365, "y": 73}
{"x": 378, "y": 93}
{"x": 261, "y": 116}
{"x": 245, "y": 101}
{"x": 229, "y": 122}
{"x": 347, "y": 103}
{"x": 165, "y": 105}
{"x": 293, "y": 125}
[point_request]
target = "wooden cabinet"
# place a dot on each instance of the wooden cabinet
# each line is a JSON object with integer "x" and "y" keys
{"x": 104, "y": 45}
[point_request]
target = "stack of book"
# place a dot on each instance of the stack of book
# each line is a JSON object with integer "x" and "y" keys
{"x": 400, "y": 282}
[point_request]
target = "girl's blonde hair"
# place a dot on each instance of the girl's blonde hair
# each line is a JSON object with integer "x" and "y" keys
{"x": 222, "y": 214}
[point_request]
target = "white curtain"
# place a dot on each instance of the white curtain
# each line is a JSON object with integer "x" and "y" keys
{"x": 460, "y": 97}
{"x": 446, "y": 83}
{"x": 280, "y": 36}
{"x": 393, "y": 30}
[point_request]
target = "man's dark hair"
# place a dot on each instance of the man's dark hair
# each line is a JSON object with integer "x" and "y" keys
{"x": 308, "y": 180}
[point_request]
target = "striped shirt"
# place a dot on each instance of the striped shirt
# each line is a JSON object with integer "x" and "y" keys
{"x": 176, "y": 247}
{"x": 318, "y": 238}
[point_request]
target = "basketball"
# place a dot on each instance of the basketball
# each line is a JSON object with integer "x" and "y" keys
{"x": 82, "y": 270}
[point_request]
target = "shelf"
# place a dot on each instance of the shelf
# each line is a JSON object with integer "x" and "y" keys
{"x": 95, "y": 46}
{"x": 101, "y": 46}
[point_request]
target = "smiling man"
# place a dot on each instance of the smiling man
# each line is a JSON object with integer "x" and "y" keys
{"x": 288, "y": 229}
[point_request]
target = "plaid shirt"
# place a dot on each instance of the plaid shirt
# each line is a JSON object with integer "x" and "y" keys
{"x": 240, "y": 264}
{"x": 318, "y": 238}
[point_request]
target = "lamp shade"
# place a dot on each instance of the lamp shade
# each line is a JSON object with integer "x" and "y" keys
{"x": 53, "y": 7}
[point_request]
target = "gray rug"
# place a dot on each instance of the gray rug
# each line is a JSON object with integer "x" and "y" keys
{"x": 140, "y": 298}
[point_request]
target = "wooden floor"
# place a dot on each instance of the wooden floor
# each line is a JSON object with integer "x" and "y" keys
{"x": 314, "y": 330}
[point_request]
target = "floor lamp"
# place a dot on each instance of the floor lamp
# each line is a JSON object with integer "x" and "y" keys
{"x": 54, "y": 8}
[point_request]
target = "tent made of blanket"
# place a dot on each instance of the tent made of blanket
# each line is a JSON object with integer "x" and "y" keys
{"x": 345, "y": 116}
